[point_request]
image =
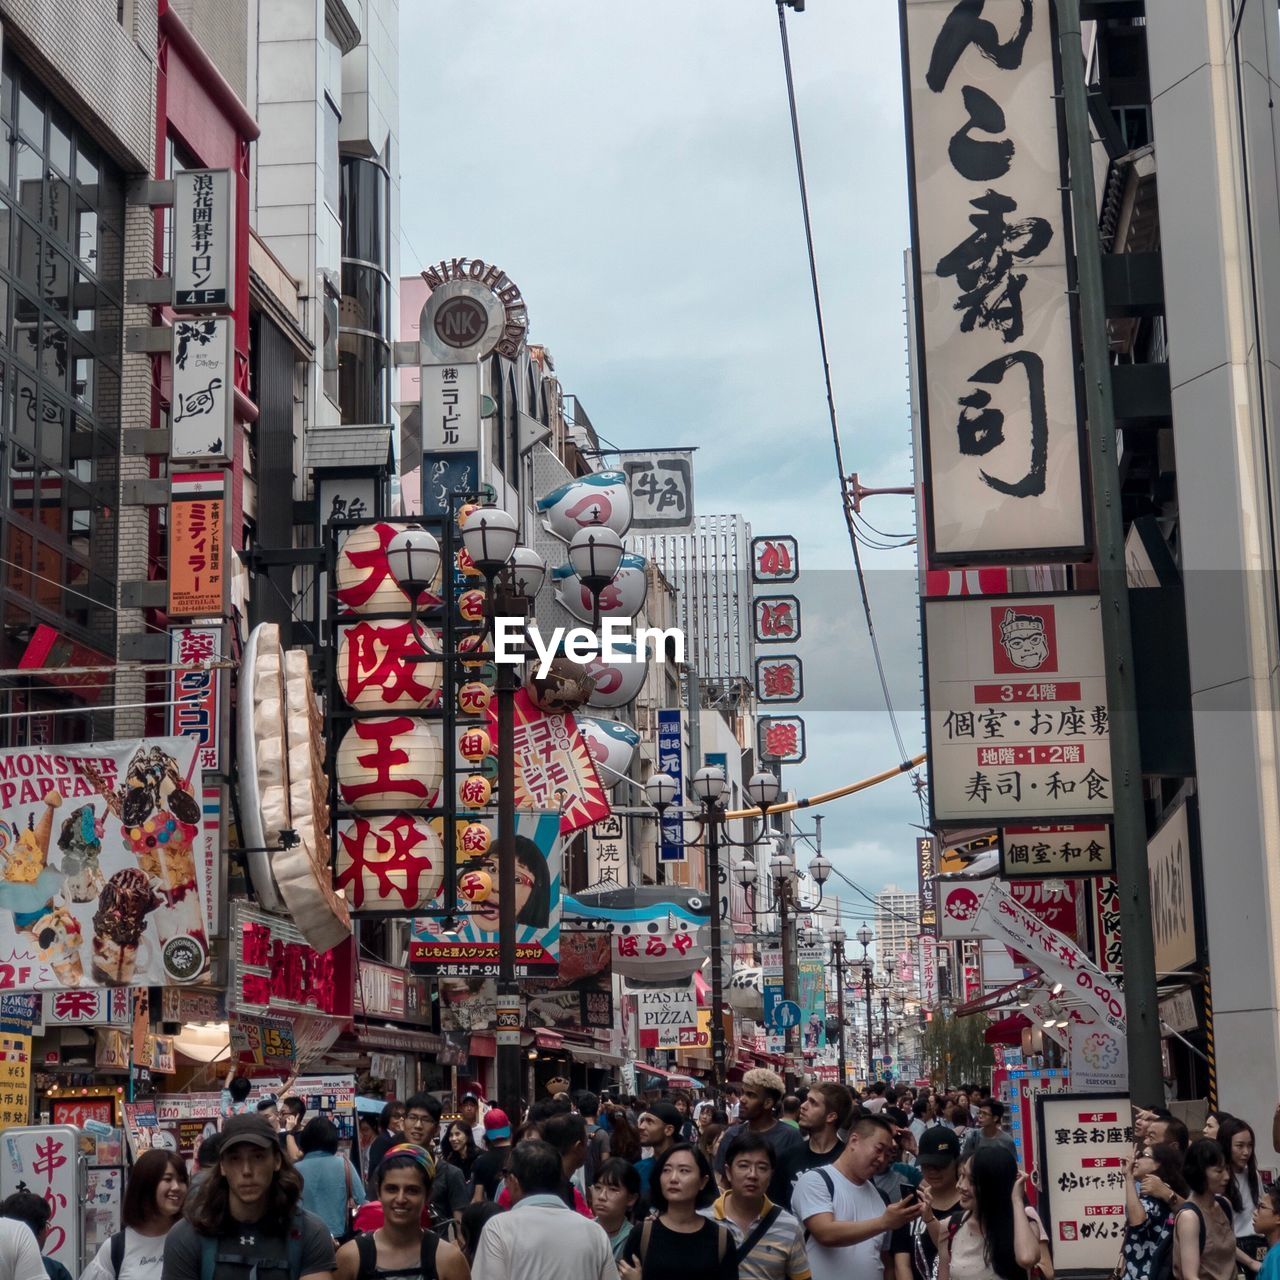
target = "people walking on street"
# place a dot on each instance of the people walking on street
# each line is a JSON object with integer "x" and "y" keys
{"x": 458, "y": 1146}
{"x": 989, "y": 1128}
{"x": 390, "y": 1132}
{"x": 1266, "y": 1222}
{"x": 614, "y": 1196}
{"x": 848, "y": 1223}
{"x": 1214, "y": 1121}
{"x": 568, "y": 1134}
{"x": 826, "y": 1111}
{"x": 449, "y": 1194}
{"x": 35, "y": 1211}
{"x": 1204, "y": 1240}
{"x": 154, "y": 1196}
{"x": 915, "y": 1256}
{"x": 658, "y": 1125}
{"x": 624, "y": 1137}
{"x": 491, "y": 1164}
{"x": 679, "y": 1243}
{"x": 762, "y": 1094}
{"x": 540, "y": 1238}
{"x": 769, "y": 1241}
{"x": 469, "y": 1110}
{"x": 247, "y": 1219}
{"x": 598, "y": 1144}
{"x": 1153, "y": 1188}
{"x": 1244, "y": 1189}
{"x": 331, "y": 1187}
{"x": 401, "y": 1248}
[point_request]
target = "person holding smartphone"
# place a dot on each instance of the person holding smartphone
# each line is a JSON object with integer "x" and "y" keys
{"x": 915, "y": 1256}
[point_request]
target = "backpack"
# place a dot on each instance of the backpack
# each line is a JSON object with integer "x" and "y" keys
{"x": 821, "y": 1171}
{"x": 1162, "y": 1263}
{"x": 369, "y": 1256}
{"x": 210, "y": 1256}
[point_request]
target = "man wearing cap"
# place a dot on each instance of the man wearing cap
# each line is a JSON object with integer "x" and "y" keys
{"x": 658, "y": 1124}
{"x": 491, "y": 1163}
{"x": 915, "y": 1255}
{"x": 246, "y": 1218}
{"x": 762, "y": 1093}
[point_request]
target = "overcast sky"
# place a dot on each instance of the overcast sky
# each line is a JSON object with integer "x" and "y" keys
{"x": 630, "y": 166}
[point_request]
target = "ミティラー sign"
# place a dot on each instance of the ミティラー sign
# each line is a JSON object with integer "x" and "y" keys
{"x": 1000, "y": 423}
{"x": 201, "y": 417}
{"x": 204, "y": 220}
{"x": 1018, "y": 725}
{"x": 1073, "y": 849}
{"x": 1085, "y": 1141}
{"x": 198, "y": 576}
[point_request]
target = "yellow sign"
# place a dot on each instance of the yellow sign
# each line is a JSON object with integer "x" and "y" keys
{"x": 15, "y": 1080}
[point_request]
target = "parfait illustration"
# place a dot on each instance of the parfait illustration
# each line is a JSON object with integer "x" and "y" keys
{"x": 80, "y": 842}
{"x": 118, "y": 924}
{"x": 29, "y": 887}
{"x": 161, "y": 821}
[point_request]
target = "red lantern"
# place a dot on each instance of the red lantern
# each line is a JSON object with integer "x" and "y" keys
{"x": 475, "y": 840}
{"x": 474, "y": 745}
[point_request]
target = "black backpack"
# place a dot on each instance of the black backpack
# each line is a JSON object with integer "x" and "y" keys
{"x": 369, "y": 1257}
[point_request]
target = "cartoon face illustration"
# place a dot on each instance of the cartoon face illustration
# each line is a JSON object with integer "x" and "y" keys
{"x": 1022, "y": 637}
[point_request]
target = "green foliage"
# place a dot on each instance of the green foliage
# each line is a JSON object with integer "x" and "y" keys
{"x": 954, "y": 1048}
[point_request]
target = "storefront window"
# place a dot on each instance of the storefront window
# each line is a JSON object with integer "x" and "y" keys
{"x": 364, "y": 339}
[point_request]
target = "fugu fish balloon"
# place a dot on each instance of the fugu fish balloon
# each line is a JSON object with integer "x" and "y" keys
{"x": 602, "y": 499}
{"x": 622, "y": 598}
{"x": 612, "y": 746}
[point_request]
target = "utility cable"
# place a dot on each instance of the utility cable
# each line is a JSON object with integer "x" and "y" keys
{"x": 846, "y": 500}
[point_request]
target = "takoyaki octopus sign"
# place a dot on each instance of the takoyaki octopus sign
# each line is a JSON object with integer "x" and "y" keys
{"x": 99, "y": 882}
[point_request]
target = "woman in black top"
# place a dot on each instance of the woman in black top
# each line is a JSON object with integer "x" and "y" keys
{"x": 680, "y": 1244}
{"x": 458, "y": 1146}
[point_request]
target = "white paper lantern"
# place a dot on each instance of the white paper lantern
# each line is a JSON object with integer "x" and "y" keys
{"x": 389, "y": 864}
{"x": 390, "y": 762}
{"x": 377, "y": 670}
{"x": 364, "y": 581}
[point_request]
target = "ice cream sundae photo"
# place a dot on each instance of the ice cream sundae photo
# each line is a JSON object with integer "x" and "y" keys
{"x": 118, "y": 925}
{"x": 80, "y": 843}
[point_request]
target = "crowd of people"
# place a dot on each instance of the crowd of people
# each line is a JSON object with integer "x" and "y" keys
{"x": 749, "y": 1184}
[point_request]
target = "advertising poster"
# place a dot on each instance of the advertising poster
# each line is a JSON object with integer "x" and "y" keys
{"x": 198, "y": 577}
{"x": 103, "y": 1198}
{"x": 468, "y": 1004}
{"x": 1084, "y": 1139}
{"x": 582, "y": 994}
{"x": 101, "y": 865}
{"x": 15, "y": 1079}
{"x": 811, "y": 978}
{"x": 473, "y": 947}
{"x": 662, "y": 1012}
{"x": 43, "y": 1159}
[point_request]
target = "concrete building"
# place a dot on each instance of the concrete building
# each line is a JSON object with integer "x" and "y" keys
{"x": 896, "y": 927}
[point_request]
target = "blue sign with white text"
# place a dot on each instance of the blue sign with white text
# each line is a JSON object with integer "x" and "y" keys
{"x": 671, "y": 761}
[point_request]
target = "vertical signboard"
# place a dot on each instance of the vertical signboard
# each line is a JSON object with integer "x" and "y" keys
{"x": 661, "y": 488}
{"x": 201, "y": 416}
{"x": 779, "y": 679}
{"x": 926, "y": 883}
{"x": 203, "y": 240}
{"x": 671, "y": 762}
{"x": 1173, "y": 922}
{"x": 196, "y": 691}
{"x": 451, "y": 407}
{"x": 1000, "y": 422}
{"x": 607, "y": 852}
{"x": 198, "y": 574}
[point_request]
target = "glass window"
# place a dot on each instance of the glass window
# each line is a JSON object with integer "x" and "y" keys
{"x": 60, "y": 141}
{"x": 28, "y": 181}
{"x": 364, "y": 211}
{"x": 363, "y": 367}
{"x": 332, "y": 177}
{"x": 364, "y": 298}
{"x": 31, "y": 114}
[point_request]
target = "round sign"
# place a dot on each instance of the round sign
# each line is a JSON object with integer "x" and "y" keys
{"x": 460, "y": 322}
{"x": 784, "y": 1014}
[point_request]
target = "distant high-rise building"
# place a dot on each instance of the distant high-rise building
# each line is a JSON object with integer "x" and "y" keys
{"x": 897, "y": 925}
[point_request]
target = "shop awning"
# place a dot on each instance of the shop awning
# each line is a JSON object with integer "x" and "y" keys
{"x": 545, "y": 1039}
{"x": 680, "y": 1079}
{"x": 395, "y": 1039}
{"x": 1008, "y": 1030}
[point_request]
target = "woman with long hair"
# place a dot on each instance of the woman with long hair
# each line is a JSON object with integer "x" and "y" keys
{"x": 458, "y": 1146}
{"x": 1213, "y": 1123}
{"x": 1244, "y": 1190}
{"x": 679, "y": 1243}
{"x": 153, "y": 1200}
{"x": 533, "y": 888}
{"x": 624, "y": 1137}
{"x": 997, "y": 1238}
{"x": 1153, "y": 1184}
{"x": 1204, "y": 1242}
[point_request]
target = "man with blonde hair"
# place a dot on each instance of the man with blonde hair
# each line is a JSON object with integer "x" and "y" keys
{"x": 762, "y": 1094}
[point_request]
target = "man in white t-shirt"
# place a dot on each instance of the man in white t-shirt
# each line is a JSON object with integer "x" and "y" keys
{"x": 847, "y": 1221}
{"x": 19, "y": 1253}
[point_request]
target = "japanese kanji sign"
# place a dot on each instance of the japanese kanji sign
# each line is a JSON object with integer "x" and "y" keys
{"x": 779, "y": 679}
{"x": 1173, "y": 919}
{"x": 1074, "y": 849}
{"x": 775, "y": 559}
{"x": 661, "y": 487}
{"x": 671, "y": 762}
{"x": 781, "y": 739}
{"x": 198, "y": 573}
{"x": 196, "y": 690}
{"x": 1000, "y": 423}
{"x": 43, "y": 1159}
{"x": 451, "y": 407}
{"x": 202, "y": 398}
{"x": 927, "y": 885}
{"x": 15, "y": 1079}
{"x": 554, "y": 768}
{"x": 607, "y": 852}
{"x": 1018, "y": 724}
{"x": 777, "y": 619}
{"x": 203, "y": 240}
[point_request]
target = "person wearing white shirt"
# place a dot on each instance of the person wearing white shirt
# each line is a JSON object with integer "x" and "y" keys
{"x": 19, "y": 1253}
{"x": 848, "y": 1223}
{"x": 540, "y": 1238}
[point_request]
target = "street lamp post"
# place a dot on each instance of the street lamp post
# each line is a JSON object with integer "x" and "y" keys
{"x": 884, "y": 1023}
{"x": 865, "y": 936}
{"x": 837, "y": 936}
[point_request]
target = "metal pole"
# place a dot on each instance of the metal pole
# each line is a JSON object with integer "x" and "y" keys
{"x": 1146, "y": 1082}
{"x": 508, "y": 1002}
{"x": 789, "y": 985}
{"x": 884, "y": 1022}
{"x": 717, "y": 981}
{"x": 840, "y": 1011}
{"x": 866, "y": 987}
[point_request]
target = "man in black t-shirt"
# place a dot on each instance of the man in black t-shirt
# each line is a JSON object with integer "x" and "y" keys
{"x": 827, "y": 1110}
{"x": 915, "y": 1256}
{"x": 491, "y": 1163}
